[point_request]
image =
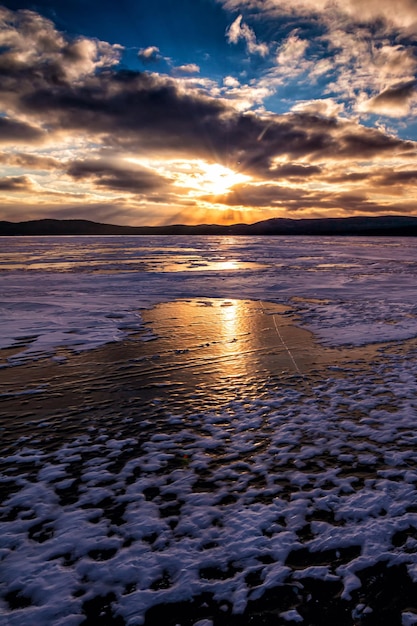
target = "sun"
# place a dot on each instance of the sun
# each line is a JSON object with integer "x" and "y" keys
{"x": 215, "y": 179}
{"x": 196, "y": 177}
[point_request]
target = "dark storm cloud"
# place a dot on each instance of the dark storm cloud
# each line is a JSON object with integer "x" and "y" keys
{"x": 397, "y": 93}
{"x": 402, "y": 177}
{"x": 16, "y": 183}
{"x": 116, "y": 177}
{"x": 30, "y": 161}
{"x": 297, "y": 199}
{"x": 131, "y": 111}
{"x": 359, "y": 142}
{"x": 14, "y": 131}
{"x": 394, "y": 101}
{"x": 294, "y": 170}
{"x": 353, "y": 203}
{"x": 306, "y": 136}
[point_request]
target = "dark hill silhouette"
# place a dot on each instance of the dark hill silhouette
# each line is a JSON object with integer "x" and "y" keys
{"x": 388, "y": 225}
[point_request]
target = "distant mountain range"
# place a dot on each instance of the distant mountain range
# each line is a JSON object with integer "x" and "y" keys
{"x": 389, "y": 225}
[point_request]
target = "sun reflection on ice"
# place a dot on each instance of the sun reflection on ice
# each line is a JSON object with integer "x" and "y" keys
{"x": 231, "y": 312}
{"x": 228, "y": 265}
{"x": 222, "y": 345}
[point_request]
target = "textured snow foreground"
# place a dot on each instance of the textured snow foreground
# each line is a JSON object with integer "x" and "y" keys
{"x": 230, "y": 471}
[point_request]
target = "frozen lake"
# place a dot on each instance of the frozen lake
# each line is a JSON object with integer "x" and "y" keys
{"x": 83, "y": 292}
{"x": 208, "y": 431}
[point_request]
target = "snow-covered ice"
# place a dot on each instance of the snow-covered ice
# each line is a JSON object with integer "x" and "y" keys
{"x": 293, "y": 505}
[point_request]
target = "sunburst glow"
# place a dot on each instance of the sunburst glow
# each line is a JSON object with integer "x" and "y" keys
{"x": 196, "y": 176}
{"x": 212, "y": 178}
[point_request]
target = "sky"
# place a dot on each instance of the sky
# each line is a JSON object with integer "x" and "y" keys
{"x": 207, "y": 111}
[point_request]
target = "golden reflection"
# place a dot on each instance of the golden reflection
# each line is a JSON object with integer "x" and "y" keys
{"x": 218, "y": 343}
{"x": 230, "y": 314}
{"x": 226, "y": 244}
{"x": 197, "y": 323}
{"x": 228, "y": 265}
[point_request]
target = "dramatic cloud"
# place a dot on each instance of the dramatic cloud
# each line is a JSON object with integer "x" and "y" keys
{"x": 365, "y": 49}
{"x": 395, "y": 101}
{"x": 132, "y": 180}
{"x": 31, "y": 42}
{"x": 30, "y": 161}
{"x": 294, "y": 171}
{"x": 14, "y": 131}
{"x": 16, "y": 183}
{"x": 298, "y": 202}
{"x": 403, "y": 177}
{"x": 80, "y": 127}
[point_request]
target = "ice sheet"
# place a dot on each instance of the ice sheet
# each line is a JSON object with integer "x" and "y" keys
{"x": 84, "y": 292}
